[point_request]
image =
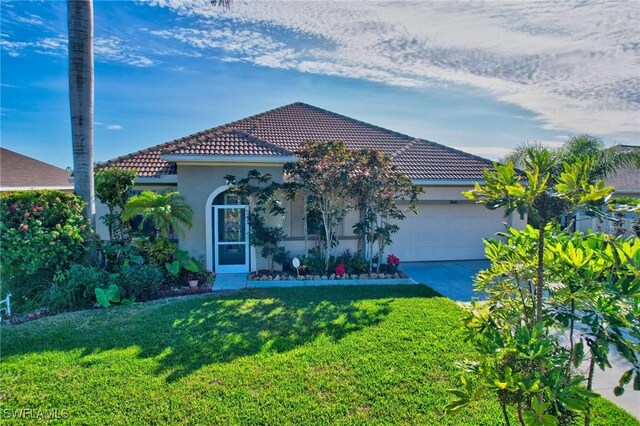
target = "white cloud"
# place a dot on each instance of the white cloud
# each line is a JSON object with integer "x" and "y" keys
{"x": 108, "y": 49}
{"x": 111, "y": 49}
{"x": 28, "y": 18}
{"x": 113, "y": 127}
{"x": 574, "y": 65}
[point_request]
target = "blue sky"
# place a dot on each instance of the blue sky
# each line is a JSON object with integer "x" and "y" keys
{"x": 482, "y": 77}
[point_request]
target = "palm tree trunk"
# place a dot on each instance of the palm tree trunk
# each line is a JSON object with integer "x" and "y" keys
{"x": 80, "y": 26}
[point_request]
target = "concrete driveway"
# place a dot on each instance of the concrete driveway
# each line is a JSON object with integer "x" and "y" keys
{"x": 453, "y": 279}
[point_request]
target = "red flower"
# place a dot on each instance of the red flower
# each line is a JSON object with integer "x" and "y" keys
{"x": 341, "y": 269}
{"x": 393, "y": 260}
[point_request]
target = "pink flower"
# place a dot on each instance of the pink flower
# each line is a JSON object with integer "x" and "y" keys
{"x": 341, "y": 269}
{"x": 13, "y": 206}
{"x": 26, "y": 214}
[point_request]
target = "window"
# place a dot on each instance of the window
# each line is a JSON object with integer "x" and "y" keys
{"x": 231, "y": 199}
{"x": 314, "y": 223}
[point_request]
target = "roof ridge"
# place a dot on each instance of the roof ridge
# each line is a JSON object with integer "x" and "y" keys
{"x": 405, "y": 148}
{"x": 257, "y": 140}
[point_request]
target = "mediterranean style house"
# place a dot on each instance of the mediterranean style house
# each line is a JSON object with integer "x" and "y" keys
{"x": 447, "y": 226}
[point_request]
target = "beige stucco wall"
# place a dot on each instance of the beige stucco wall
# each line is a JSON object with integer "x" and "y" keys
{"x": 196, "y": 183}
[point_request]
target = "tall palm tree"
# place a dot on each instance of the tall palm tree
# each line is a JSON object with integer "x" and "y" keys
{"x": 608, "y": 160}
{"x": 166, "y": 211}
{"x": 80, "y": 26}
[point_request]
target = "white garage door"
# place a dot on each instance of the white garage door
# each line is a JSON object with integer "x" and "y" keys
{"x": 446, "y": 232}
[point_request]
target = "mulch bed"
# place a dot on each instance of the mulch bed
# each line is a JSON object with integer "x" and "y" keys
{"x": 174, "y": 291}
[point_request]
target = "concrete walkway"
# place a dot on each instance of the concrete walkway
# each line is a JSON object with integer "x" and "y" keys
{"x": 454, "y": 280}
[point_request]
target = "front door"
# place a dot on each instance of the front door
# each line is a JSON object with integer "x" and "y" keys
{"x": 231, "y": 239}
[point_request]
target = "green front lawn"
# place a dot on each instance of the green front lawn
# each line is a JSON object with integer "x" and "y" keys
{"x": 325, "y": 355}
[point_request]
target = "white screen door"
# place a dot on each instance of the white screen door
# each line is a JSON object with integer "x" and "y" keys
{"x": 231, "y": 239}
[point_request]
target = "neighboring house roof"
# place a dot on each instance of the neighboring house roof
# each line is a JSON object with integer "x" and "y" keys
{"x": 627, "y": 179}
{"x": 18, "y": 171}
{"x": 279, "y": 132}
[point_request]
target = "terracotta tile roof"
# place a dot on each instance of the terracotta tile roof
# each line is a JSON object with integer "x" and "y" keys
{"x": 227, "y": 142}
{"x": 20, "y": 171}
{"x": 280, "y": 131}
{"x": 428, "y": 160}
{"x": 627, "y": 179}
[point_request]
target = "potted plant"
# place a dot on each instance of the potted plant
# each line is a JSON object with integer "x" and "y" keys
{"x": 193, "y": 279}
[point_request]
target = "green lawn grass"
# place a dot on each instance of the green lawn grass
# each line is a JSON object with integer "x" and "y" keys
{"x": 325, "y": 355}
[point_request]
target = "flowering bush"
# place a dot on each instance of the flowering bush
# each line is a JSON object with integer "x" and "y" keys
{"x": 392, "y": 262}
{"x": 341, "y": 269}
{"x": 41, "y": 232}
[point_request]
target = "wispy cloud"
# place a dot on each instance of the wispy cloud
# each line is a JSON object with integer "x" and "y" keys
{"x": 574, "y": 65}
{"x": 113, "y": 127}
{"x": 28, "y": 18}
{"x": 108, "y": 49}
{"x": 112, "y": 49}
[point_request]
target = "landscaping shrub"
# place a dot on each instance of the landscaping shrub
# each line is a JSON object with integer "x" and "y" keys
{"x": 141, "y": 281}
{"x": 353, "y": 262}
{"x": 118, "y": 255}
{"x": 42, "y": 232}
{"x": 74, "y": 288}
{"x": 157, "y": 252}
{"x": 86, "y": 279}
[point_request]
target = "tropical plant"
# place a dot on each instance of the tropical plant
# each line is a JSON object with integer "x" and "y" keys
{"x": 81, "y": 95}
{"x": 590, "y": 307}
{"x": 167, "y": 211}
{"x": 80, "y": 27}
{"x": 41, "y": 233}
{"x": 110, "y": 296}
{"x": 140, "y": 281}
{"x": 118, "y": 255}
{"x": 113, "y": 187}
{"x": 607, "y": 160}
{"x": 545, "y": 195}
{"x": 322, "y": 174}
{"x": 157, "y": 252}
{"x": 377, "y": 186}
{"x": 182, "y": 262}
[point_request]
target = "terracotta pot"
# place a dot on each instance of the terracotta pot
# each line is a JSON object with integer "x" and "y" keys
{"x": 193, "y": 283}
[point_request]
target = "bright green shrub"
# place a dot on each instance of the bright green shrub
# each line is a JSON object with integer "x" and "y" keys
{"x": 157, "y": 252}
{"x": 141, "y": 281}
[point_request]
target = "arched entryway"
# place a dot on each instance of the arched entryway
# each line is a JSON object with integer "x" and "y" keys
{"x": 227, "y": 228}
